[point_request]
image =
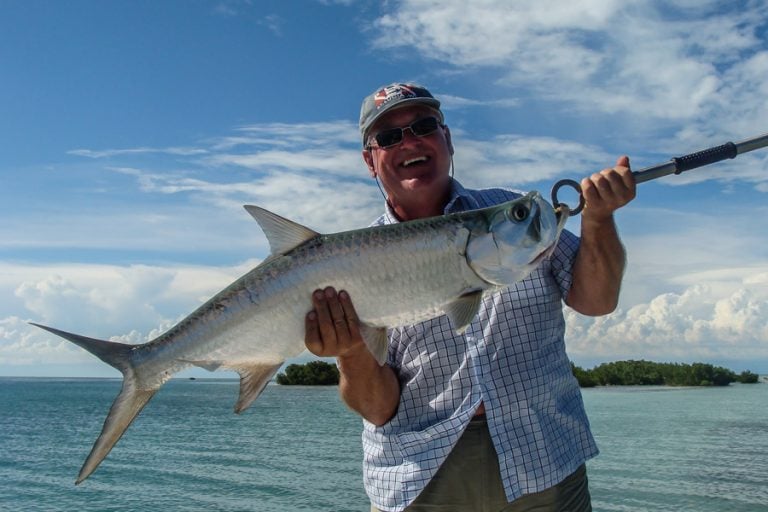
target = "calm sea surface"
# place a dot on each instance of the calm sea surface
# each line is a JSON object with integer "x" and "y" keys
{"x": 298, "y": 448}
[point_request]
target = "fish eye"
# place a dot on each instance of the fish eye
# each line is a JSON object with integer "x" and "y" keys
{"x": 519, "y": 212}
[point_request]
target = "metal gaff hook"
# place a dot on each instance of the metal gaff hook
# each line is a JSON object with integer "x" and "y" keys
{"x": 577, "y": 187}
{"x": 674, "y": 166}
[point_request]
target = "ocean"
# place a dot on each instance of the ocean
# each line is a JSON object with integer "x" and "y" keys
{"x": 298, "y": 448}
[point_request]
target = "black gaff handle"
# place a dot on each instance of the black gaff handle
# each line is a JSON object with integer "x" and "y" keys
{"x": 676, "y": 165}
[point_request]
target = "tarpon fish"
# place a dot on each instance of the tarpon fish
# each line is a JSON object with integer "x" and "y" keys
{"x": 397, "y": 274}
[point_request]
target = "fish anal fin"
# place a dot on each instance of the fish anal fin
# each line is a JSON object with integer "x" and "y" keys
{"x": 253, "y": 379}
{"x": 124, "y": 410}
{"x": 254, "y": 376}
{"x": 376, "y": 340}
{"x": 463, "y": 310}
{"x": 282, "y": 234}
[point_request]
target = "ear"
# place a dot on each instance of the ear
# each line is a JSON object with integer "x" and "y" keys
{"x": 368, "y": 157}
{"x": 447, "y": 132}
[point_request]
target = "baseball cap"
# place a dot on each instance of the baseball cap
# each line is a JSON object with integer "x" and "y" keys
{"x": 394, "y": 96}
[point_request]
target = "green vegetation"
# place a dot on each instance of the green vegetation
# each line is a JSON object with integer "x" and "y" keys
{"x": 314, "y": 373}
{"x": 747, "y": 377}
{"x": 642, "y": 373}
{"x": 620, "y": 373}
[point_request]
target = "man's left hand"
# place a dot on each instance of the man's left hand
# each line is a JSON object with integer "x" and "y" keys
{"x": 607, "y": 191}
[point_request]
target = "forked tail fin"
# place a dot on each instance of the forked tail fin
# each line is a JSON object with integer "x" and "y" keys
{"x": 126, "y": 406}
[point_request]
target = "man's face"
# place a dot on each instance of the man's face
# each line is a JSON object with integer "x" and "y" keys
{"x": 417, "y": 167}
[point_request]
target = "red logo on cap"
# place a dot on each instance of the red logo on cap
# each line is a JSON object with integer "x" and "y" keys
{"x": 393, "y": 92}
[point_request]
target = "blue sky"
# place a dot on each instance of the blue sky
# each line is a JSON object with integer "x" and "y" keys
{"x": 133, "y": 132}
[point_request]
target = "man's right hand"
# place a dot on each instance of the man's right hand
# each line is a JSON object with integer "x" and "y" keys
{"x": 332, "y": 327}
{"x": 333, "y": 330}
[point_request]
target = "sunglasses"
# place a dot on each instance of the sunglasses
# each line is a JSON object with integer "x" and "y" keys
{"x": 394, "y": 136}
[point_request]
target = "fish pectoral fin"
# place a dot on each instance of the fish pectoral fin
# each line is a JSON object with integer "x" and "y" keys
{"x": 253, "y": 379}
{"x": 376, "y": 340}
{"x": 282, "y": 234}
{"x": 463, "y": 310}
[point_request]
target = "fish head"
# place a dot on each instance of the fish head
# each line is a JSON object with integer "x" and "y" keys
{"x": 511, "y": 239}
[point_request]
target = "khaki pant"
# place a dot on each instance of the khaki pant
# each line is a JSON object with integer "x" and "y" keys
{"x": 470, "y": 481}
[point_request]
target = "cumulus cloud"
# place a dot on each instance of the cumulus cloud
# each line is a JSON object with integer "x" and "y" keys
{"x": 21, "y": 344}
{"x": 694, "y": 324}
{"x": 726, "y": 315}
{"x": 694, "y": 289}
{"x": 131, "y": 304}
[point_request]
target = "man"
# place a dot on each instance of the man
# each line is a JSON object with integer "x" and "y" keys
{"x": 491, "y": 419}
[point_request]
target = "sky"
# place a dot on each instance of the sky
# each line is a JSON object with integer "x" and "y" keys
{"x": 133, "y": 132}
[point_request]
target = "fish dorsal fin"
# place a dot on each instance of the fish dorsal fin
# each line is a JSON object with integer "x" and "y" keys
{"x": 283, "y": 234}
{"x": 376, "y": 340}
{"x": 462, "y": 311}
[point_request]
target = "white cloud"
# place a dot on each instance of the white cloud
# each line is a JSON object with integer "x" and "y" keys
{"x": 108, "y": 153}
{"x": 515, "y": 160}
{"x": 694, "y": 289}
{"x": 492, "y": 32}
{"x": 273, "y": 22}
{"x": 687, "y": 294}
{"x": 22, "y": 344}
{"x": 666, "y": 64}
{"x": 231, "y": 7}
{"x": 318, "y": 134}
{"x": 694, "y": 324}
{"x": 323, "y": 202}
{"x": 336, "y": 161}
{"x": 452, "y": 102}
{"x": 131, "y": 304}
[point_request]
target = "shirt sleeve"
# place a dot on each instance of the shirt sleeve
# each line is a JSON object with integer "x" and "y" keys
{"x": 562, "y": 261}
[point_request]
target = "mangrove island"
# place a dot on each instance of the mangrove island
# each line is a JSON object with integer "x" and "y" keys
{"x": 619, "y": 373}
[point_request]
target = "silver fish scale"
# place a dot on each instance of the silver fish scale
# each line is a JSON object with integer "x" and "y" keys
{"x": 409, "y": 273}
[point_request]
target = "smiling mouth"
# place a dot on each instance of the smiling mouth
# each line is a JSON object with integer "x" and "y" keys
{"x": 414, "y": 161}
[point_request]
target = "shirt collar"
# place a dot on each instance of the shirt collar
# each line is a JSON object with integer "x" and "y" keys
{"x": 459, "y": 200}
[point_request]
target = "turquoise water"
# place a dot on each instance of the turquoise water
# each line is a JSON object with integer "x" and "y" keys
{"x": 692, "y": 449}
{"x": 299, "y": 448}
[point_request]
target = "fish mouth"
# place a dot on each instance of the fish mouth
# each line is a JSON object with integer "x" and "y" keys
{"x": 543, "y": 255}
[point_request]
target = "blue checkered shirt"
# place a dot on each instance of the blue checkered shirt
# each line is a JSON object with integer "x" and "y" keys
{"x": 512, "y": 358}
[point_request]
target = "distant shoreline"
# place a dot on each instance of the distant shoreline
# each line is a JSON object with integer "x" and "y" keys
{"x": 614, "y": 374}
{"x": 648, "y": 373}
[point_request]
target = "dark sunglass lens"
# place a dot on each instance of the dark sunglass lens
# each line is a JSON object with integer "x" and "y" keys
{"x": 424, "y": 126}
{"x": 394, "y": 136}
{"x": 388, "y": 138}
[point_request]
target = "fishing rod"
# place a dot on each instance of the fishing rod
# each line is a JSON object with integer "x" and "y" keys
{"x": 676, "y": 165}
